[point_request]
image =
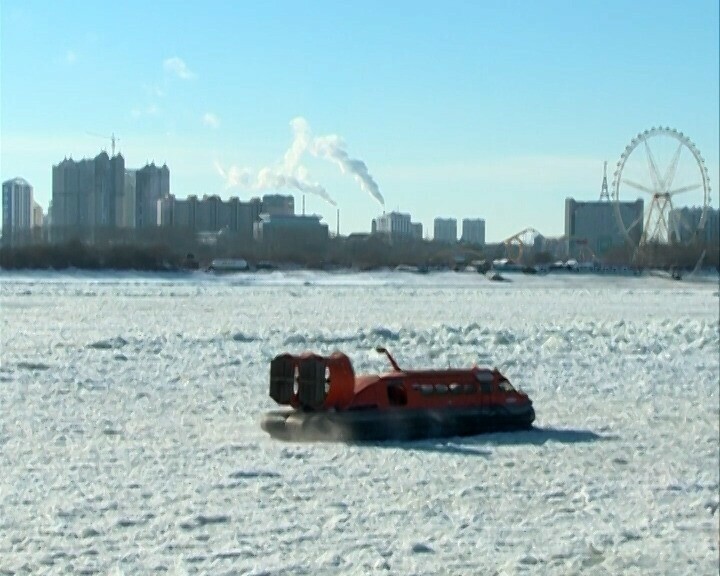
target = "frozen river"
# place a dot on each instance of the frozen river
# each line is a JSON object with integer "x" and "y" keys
{"x": 130, "y": 444}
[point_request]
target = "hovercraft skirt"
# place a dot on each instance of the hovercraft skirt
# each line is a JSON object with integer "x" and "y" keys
{"x": 400, "y": 424}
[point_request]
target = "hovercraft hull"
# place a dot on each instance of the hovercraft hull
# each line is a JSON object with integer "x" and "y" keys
{"x": 399, "y": 424}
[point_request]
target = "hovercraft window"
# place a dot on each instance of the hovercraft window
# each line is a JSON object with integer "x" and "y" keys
{"x": 441, "y": 388}
{"x": 469, "y": 388}
{"x": 424, "y": 389}
{"x": 396, "y": 394}
{"x": 456, "y": 388}
{"x": 505, "y": 386}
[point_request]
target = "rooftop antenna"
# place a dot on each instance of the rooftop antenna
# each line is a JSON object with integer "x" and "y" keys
{"x": 604, "y": 189}
{"x": 112, "y": 139}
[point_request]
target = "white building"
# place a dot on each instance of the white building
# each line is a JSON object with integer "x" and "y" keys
{"x": 445, "y": 230}
{"x": 17, "y": 198}
{"x": 17, "y": 210}
{"x": 37, "y": 216}
{"x": 397, "y": 225}
{"x": 473, "y": 231}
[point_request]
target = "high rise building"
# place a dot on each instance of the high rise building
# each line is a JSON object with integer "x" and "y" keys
{"x": 37, "y": 216}
{"x": 17, "y": 207}
{"x": 151, "y": 184}
{"x": 445, "y": 230}
{"x": 177, "y": 213}
{"x": 210, "y": 214}
{"x": 128, "y": 211}
{"x": 397, "y": 226}
{"x": 416, "y": 230}
{"x": 394, "y": 224}
{"x": 206, "y": 214}
{"x": 592, "y": 227}
{"x": 87, "y": 195}
{"x": 685, "y": 223}
{"x": 473, "y": 231}
{"x": 712, "y": 227}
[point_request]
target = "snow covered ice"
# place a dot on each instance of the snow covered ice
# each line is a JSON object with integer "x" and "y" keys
{"x": 130, "y": 444}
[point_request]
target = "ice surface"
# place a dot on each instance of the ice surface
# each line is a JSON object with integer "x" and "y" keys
{"x": 130, "y": 444}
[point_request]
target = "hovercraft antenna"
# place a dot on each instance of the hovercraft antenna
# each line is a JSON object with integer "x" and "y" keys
{"x": 383, "y": 350}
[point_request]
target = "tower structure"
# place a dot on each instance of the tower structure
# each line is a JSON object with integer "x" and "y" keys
{"x": 604, "y": 195}
{"x": 112, "y": 139}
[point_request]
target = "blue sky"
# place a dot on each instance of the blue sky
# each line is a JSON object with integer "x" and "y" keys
{"x": 498, "y": 110}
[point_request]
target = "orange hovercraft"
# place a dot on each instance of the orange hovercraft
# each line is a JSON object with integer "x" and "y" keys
{"x": 329, "y": 402}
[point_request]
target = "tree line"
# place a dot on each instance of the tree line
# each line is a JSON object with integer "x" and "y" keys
{"x": 166, "y": 252}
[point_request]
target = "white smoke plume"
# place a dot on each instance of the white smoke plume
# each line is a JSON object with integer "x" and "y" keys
{"x": 293, "y": 175}
{"x": 234, "y": 176}
{"x": 301, "y": 142}
{"x": 332, "y": 148}
{"x": 270, "y": 179}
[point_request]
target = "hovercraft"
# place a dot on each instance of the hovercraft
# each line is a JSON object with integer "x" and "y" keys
{"x": 327, "y": 401}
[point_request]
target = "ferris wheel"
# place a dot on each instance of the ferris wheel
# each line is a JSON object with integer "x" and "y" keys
{"x": 667, "y": 168}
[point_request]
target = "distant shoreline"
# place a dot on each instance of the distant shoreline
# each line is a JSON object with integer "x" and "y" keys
{"x": 504, "y": 275}
{"x": 375, "y": 254}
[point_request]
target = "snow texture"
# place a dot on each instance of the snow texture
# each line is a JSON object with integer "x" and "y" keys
{"x": 130, "y": 444}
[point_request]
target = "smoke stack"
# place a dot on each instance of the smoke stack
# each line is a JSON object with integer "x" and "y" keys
{"x": 337, "y": 220}
{"x": 303, "y": 213}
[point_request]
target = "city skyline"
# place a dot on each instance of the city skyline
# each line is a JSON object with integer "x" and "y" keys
{"x": 489, "y": 114}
